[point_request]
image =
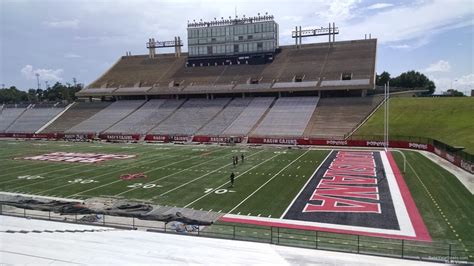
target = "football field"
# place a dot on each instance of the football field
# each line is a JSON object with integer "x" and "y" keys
{"x": 271, "y": 184}
{"x": 185, "y": 176}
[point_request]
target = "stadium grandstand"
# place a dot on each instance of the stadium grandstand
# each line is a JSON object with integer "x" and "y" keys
{"x": 239, "y": 82}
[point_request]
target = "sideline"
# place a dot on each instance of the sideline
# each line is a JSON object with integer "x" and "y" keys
{"x": 462, "y": 175}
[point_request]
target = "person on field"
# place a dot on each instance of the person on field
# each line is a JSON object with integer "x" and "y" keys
{"x": 232, "y": 177}
{"x": 233, "y": 160}
{"x": 236, "y": 159}
{"x": 242, "y": 157}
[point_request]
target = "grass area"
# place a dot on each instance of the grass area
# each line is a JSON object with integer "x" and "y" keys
{"x": 449, "y": 120}
{"x": 191, "y": 176}
{"x": 444, "y": 203}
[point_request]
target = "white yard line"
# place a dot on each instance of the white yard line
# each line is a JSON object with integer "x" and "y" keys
{"x": 207, "y": 194}
{"x": 171, "y": 190}
{"x": 121, "y": 169}
{"x": 34, "y": 163}
{"x": 113, "y": 182}
{"x": 164, "y": 177}
{"x": 462, "y": 175}
{"x": 268, "y": 181}
{"x": 152, "y": 159}
{"x": 302, "y": 188}
{"x": 44, "y": 173}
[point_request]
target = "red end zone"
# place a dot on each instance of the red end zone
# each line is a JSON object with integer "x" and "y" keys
{"x": 411, "y": 225}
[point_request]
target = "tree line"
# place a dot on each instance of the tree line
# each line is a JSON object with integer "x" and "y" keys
{"x": 411, "y": 79}
{"x": 57, "y": 93}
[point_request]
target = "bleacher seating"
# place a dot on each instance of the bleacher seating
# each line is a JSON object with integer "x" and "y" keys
{"x": 314, "y": 62}
{"x": 33, "y": 119}
{"x": 106, "y": 117}
{"x": 249, "y": 117}
{"x": 8, "y": 116}
{"x": 336, "y": 117}
{"x": 76, "y": 114}
{"x": 289, "y": 116}
{"x": 191, "y": 116}
{"x": 148, "y": 116}
{"x": 217, "y": 125}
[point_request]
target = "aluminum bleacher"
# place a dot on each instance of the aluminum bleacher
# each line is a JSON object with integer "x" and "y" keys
{"x": 33, "y": 119}
{"x": 191, "y": 116}
{"x": 289, "y": 116}
{"x": 76, "y": 114}
{"x": 8, "y": 116}
{"x": 249, "y": 117}
{"x": 148, "y": 116}
{"x": 217, "y": 125}
{"x": 336, "y": 117}
{"x": 107, "y": 117}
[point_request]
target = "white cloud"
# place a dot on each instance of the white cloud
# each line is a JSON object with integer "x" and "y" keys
{"x": 440, "y": 66}
{"x": 466, "y": 80}
{"x": 45, "y": 74}
{"x": 401, "y": 46}
{"x": 339, "y": 10}
{"x": 379, "y": 6}
{"x": 463, "y": 83}
{"x": 64, "y": 24}
{"x": 71, "y": 55}
{"x": 413, "y": 24}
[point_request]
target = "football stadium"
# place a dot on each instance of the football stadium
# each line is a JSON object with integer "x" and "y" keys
{"x": 243, "y": 139}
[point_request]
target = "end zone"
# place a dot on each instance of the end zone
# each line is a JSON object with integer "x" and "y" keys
{"x": 352, "y": 192}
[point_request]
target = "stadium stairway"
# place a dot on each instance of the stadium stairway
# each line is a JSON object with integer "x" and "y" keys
{"x": 336, "y": 117}
{"x": 9, "y": 116}
{"x": 259, "y": 121}
{"x": 225, "y": 117}
{"x": 79, "y": 112}
{"x": 55, "y": 118}
{"x": 249, "y": 117}
{"x": 106, "y": 117}
{"x": 167, "y": 117}
{"x": 32, "y": 119}
{"x": 288, "y": 116}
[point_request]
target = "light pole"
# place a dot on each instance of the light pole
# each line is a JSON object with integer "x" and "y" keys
{"x": 386, "y": 113}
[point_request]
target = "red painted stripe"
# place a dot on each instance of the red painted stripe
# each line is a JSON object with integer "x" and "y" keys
{"x": 415, "y": 217}
{"x": 421, "y": 231}
{"x": 282, "y": 224}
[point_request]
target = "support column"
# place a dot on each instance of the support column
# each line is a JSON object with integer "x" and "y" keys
{"x": 334, "y": 32}
{"x": 296, "y": 36}
{"x": 329, "y": 34}
{"x": 301, "y": 37}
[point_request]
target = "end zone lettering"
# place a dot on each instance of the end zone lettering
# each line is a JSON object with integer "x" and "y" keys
{"x": 349, "y": 185}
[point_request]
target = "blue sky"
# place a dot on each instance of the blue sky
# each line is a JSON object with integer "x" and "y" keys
{"x": 81, "y": 39}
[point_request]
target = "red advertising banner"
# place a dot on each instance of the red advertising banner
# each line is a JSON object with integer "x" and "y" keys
{"x": 217, "y": 139}
{"x": 126, "y": 137}
{"x": 162, "y": 138}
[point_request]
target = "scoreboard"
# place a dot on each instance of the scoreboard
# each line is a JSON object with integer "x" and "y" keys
{"x": 233, "y": 37}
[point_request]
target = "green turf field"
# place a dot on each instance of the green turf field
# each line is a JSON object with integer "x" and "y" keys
{"x": 449, "y": 120}
{"x": 185, "y": 176}
{"x": 198, "y": 177}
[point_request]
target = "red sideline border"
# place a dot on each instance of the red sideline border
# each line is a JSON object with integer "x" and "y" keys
{"x": 419, "y": 227}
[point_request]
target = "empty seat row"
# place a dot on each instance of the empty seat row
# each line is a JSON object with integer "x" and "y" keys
{"x": 289, "y": 116}
{"x": 107, "y": 117}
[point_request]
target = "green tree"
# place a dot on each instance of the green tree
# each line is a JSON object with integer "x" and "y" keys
{"x": 383, "y": 78}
